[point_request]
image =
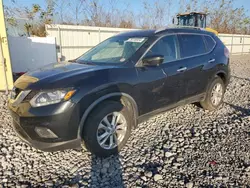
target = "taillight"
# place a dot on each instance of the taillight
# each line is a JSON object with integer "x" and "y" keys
{"x": 226, "y": 52}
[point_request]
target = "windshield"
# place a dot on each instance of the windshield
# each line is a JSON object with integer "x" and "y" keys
{"x": 186, "y": 20}
{"x": 201, "y": 21}
{"x": 113, "y": 50}
{"x": 193, "y": 20}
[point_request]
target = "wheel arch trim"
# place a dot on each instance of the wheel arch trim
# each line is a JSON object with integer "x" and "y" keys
{"x": 221, "y": 72}
{"x": 101, "y": 99}
{"x": 213, "y": 76}
{"x": 225, "y": 74}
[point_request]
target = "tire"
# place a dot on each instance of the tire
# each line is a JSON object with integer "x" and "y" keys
{"x": 91, "y": 131}
{"x": 208, "y": 103}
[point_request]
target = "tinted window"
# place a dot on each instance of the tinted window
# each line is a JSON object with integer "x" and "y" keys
{"x": 210, "y": 43}
{"x": 191, "y": 45}
{"x": 166, "y": 46}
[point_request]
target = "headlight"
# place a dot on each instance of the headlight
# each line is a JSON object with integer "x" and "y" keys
{"x": 44, "y": 98}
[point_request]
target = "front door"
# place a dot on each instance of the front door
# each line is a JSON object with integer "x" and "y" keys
{"x": 161, "y": 85}
{"x": 150, "y": 88}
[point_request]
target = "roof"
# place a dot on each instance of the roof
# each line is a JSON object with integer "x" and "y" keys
{"x": 183, "y": 30}
{"x": 148, "y": 33}
{"x": 188, "y": 13}
{"x": 138, "y": 33}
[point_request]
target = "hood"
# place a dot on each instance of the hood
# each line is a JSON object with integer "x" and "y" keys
{"x": 53, "y": 73}
{"x": 60, "y": 69}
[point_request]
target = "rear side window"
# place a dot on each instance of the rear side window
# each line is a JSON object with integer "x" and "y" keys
{"x": 191, "y": 45}
{"x": 210, "y": 43}
{"x": 166, "y": 46}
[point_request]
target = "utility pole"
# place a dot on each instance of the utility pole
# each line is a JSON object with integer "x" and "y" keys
{"x": 6, "y": 77}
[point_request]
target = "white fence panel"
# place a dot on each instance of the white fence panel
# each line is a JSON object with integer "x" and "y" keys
{"x": 237, "y": 44}
{"x": 29, "y": 53}
{"x": 72, "y": 41}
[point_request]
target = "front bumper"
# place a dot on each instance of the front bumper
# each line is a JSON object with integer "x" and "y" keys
{"x": 62, "y": 119}
{"x": 46, "y": 146}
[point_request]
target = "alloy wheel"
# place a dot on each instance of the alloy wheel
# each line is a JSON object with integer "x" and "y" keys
{"x": 111, "y": 130}
{"x": 216, "y": 94}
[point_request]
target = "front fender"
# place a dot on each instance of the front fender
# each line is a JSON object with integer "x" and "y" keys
{"x": 103, "y": 98}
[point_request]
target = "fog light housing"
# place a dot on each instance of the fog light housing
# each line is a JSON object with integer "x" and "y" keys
{"x": 45, "y": 132}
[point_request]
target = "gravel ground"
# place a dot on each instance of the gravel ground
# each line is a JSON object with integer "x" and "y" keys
{"x": 185, "y": 147}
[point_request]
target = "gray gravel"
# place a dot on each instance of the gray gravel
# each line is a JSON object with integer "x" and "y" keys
{"x": 185, "y": 147}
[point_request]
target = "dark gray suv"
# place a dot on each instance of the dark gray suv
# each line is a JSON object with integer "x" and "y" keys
{"x": 100, "y": 97}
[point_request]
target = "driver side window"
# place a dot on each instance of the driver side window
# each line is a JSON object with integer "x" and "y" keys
{"x": 166, "y": 46}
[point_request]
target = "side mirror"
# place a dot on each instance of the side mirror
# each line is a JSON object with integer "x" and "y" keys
{"x": 173, "y": 21}
{"x": 154, "y": 60}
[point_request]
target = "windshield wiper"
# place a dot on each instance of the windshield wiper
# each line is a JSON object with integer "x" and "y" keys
{"x": 72, "y": 60}
{"x": 87, "y": 63}
{"x": 82, "y": 62}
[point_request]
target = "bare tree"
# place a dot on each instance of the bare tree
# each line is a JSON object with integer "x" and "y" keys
{"x": 226, "y": 19}
{"x": 35, "y": 17}
{"x": 223, "y": 16}
{"x": 77, "y": 7}
{"x": 156, "y": 14}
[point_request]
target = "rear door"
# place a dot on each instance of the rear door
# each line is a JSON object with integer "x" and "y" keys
{"x": 194, "y": 57}
{"x": 210, "y": 45}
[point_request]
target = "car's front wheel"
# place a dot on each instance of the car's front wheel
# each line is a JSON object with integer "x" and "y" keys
{"x": 214, "y": 94}
{"x": 107, "y": 128}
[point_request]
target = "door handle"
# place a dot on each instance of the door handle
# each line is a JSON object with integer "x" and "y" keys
{"x": 211, "y": 61}
{"x": 182, "y": 69}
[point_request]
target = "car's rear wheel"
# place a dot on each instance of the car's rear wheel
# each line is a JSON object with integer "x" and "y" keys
{"x": 107, "y": 128}
{"x": 214, "y": 94}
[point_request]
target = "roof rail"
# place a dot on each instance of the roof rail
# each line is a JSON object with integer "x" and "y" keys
{"x": 162, "y": 29}
{"x": 177, "y": 26}
{"x": 188, "y": 27}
